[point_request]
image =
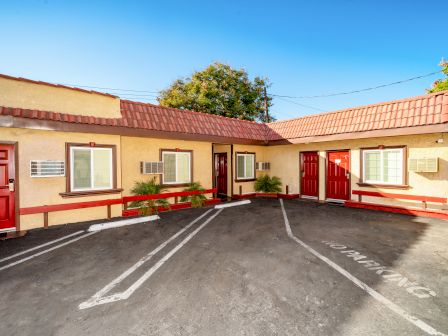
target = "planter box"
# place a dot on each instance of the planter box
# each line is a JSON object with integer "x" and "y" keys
{"x": 266, "y": 195}
{"x": 177, "y": 206}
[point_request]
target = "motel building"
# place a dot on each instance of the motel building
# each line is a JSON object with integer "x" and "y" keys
{"x": 64, "y": 149}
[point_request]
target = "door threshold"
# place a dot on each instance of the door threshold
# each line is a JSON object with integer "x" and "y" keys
{"x": 8, "y": 230}
{"x": 335, "y": 201}
{"x": 309, "y": 197}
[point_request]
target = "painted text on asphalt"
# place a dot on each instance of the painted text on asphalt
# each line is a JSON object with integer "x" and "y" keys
{"x": 385, "y": 272}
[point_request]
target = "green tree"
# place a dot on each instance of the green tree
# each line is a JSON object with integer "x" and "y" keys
{"x": 440, "y": 84}
{"x": 221, "y": 90}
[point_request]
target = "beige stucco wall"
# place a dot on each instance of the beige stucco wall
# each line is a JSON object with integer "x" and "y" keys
{"x": 285, "y": 164}
{"x": 248, "y": 186}
{"x": 135, "y": 150}
{"x": 16, "y": 93}
{"x": 47, "y": 145}
{"x": 37, "y": 191}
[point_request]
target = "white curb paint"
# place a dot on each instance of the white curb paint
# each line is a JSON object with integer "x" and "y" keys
{"x": 98, "y": 298}
{"x": 40, "y": 246}
{"x": 389, "y": 304}
{"x": 45, "y": 251}
{"x": 120, "y": 223}
{"x": 228, "y": 205}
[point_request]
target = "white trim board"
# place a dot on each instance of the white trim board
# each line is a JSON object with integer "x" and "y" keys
{"x": 120, "y": 223}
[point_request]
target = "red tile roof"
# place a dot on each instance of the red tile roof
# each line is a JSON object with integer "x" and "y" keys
{"x": 155, "y": 117}
{"x": 424, "y": 110}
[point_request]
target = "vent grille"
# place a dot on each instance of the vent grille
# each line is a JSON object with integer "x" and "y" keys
{"x": 151, "y": 167}
{"x": 424, "y": 165}
{"x": 47, "y": 168}
{"x": 263, "y": 166}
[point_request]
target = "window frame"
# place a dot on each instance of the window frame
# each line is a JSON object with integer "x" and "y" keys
{"x": 70, "y": 192}
{"x": 245, "y": 179}
{"x": 369, "y": 183}
{"x": 162, "y": 176}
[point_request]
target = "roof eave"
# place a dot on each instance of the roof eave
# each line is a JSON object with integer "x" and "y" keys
{"x": 437, "y": 128}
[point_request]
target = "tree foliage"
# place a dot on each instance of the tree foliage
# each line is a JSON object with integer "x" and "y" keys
{"x": 221, "y": 90}
{"x": 440, "y": 84}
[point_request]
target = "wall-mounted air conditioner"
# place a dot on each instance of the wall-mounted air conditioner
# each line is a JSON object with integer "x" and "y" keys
{"x": 424, "y": 165}
{"x": 47, "y": 168}
{"x": 263, "y": 166}
{"x": 151, "y": 167}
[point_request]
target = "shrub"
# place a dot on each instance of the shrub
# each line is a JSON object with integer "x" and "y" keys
{"x": 198, "y": 200}
{"x": 150, "y": 187}
{"x": 266, "y": 183}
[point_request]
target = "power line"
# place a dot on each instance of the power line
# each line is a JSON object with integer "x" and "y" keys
{"x": 357, "y": 91}
{"x": 136, "y": 95}
{"x": 104, "y": 88}
{"x": 303, "y": 105}
{"x": 139, "y": 98}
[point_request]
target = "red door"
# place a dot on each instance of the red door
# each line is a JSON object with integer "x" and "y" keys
{"x": 7, "y": 176}
{"x": 338, "y": 175}
{"x": 221, "y": 173}
{"x": 309, "y": 181}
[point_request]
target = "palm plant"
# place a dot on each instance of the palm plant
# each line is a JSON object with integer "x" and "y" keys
{"x": 266, "y": 183}
{"x": 198, "y": 200}
{"x": 150, "y": 187}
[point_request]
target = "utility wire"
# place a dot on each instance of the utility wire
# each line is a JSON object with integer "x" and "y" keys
{"x": 125, "y": 92}
{"x": 357, "y": 91}
{"x": 136, "y": 95}
{"x": 303, "y": 105}
{"x": 104, "y": 88}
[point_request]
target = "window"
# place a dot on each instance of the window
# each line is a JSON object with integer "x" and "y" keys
{"x": 383, "y": 166}
{"x": 176, "y": 167}
{"x": 245, "y": 166}
{"x": 91, "y": 168}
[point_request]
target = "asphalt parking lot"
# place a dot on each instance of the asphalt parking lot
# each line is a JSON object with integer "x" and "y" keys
{"x": 265, "y": 268}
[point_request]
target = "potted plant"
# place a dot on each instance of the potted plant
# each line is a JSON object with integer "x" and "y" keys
{"x": 150, "y": 187}
{"x": 197, "y": 200}
{"x": 267, "y": 184}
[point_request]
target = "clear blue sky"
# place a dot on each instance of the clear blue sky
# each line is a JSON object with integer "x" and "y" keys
{"x": 303, "y": 47}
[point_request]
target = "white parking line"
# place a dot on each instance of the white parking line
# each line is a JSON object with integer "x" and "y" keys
{"x": 45, "y": 251}
{"x": 42, "y": 245}
{"x": 389, "y": 304}
{"x": 231, "y": 204}
{"x": 99, "y": 297}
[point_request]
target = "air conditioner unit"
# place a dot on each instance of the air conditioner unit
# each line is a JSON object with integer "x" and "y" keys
{"x": 47, "y": 168}
{"x": 263, "y": 166}
{"x": 151, "y": 167}
{"x": 424, "y": 165}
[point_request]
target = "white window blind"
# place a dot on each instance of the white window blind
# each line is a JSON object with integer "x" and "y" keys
{"x": 176, "y": 167}
{"x": 383, "y": 166}
{"x": 245, "y": 164}
{"x": 91, "y": 168}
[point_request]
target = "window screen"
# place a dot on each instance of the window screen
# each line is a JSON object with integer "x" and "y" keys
{"x": 245, "y": 166}
{"x": 384, "y": 166}
{"x": 91, "y": 168}
{"x": 176, "y": 167}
